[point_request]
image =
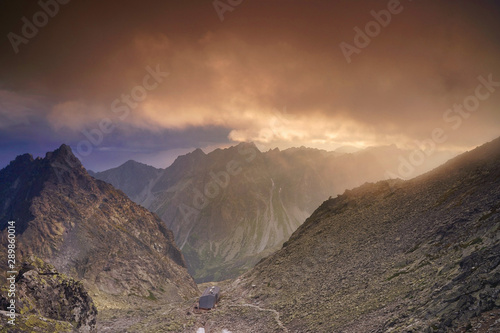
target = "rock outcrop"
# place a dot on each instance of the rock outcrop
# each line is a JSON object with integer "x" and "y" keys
{"x": 48, "y": 301}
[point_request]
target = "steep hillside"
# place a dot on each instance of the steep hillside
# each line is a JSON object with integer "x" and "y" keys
{"x": 395, "y": 256}
{"x": 134, "y": 178}
{"x": 231, "y": 207}
{"x": 89, "y": 230}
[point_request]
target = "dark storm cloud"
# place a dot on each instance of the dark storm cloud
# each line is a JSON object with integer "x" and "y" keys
{"x": 271, "y": 72}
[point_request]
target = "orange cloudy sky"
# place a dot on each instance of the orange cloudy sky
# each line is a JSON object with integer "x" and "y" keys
{"x": 272, "y": 72}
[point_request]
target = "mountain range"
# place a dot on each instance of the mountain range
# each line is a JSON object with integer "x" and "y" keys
{"x": 89, "y": 231}
{"x": 230, "y": 208}
{"x": 421, "y": 255}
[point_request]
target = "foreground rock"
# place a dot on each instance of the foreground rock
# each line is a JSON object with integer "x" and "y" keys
{"x": 48, "y": 301}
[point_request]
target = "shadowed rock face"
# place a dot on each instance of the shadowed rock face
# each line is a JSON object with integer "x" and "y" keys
{"x": 394, "y": 256}
{"x": 232, "y": 207}
{"x": 89, "y": 230}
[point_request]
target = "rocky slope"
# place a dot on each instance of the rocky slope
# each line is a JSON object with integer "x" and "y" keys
{"x": 395, "y": 256}
{"x": 232, "y": 207}
{"x": 48, "y": 301}
{"x": 90, "y": 231}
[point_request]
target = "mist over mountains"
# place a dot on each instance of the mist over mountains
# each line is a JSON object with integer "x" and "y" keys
{"x": 314, "y": 166}
{"x": 231, "y": 207}
{"x": 420, "y": 255}
{"x": 393, "y": 256}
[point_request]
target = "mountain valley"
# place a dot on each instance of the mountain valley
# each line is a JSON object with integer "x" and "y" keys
{"x": 420, "y": 255}
{"x": 394, "y": 256}
{"x": 230, "y": 208}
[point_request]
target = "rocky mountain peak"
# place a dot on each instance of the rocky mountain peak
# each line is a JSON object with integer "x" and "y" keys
{"x": 23, "y": 159}
{"x": 89, "y": 230}
{"x": 131, "y": 163}
{"x": 188, "y": 159}
{"x": 247, "y": 146}
{"x": 197, "y": 152}
{"x": 63, "y": 158}
{"x": 20, "y": 163}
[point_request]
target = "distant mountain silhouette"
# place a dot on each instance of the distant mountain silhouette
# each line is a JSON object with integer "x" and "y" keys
{"x": 231, "y": 207}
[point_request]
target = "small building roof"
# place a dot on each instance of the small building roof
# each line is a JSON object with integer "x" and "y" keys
{"x": 214, "y": 290}
{"x": 209, "y": 298}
